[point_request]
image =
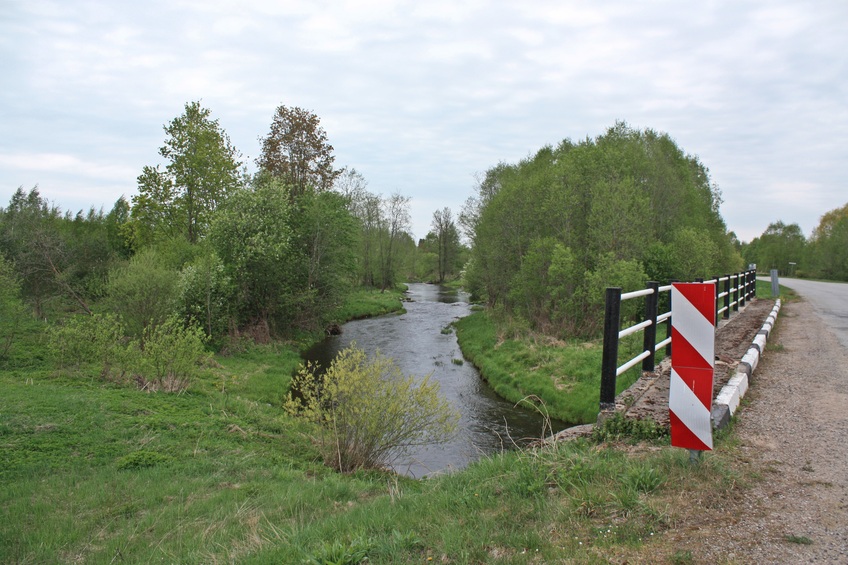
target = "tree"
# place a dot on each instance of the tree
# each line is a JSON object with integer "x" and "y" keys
{"x": 251, "y": 233}
{"x": 12, "y": 310}
{"x": 447, "y": 242}
{"x": 143, "y": 292}
{"x": 779, "y": 245}
{"x": 370, "y": 412}
{"x": 829, "y": 244}
{"x": 202, "y": 168}
{"x": 395, "y": 223}
{"x": 297, "y": 152}
{"x": 595, "y": 206}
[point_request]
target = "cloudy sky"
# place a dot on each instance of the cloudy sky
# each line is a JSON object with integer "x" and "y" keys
{"x": 421, "y": 96}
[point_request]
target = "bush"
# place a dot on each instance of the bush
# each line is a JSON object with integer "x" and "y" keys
{"x": 369, "y": 411}
{"x": 143, "y": 292}
{"x": 83, "y": 340}
{"x": 12, "y": 309}
{"x": 171, "y": 356}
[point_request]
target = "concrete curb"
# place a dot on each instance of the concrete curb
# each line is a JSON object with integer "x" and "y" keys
{"x": 731, "y": 394}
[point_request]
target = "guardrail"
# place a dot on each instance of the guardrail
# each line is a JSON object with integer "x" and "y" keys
{"x": 732, "y": 291}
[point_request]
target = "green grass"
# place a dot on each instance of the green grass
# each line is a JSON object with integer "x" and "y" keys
{"x": 566, "y": 376}
{"x": 363, "y": 303}
{"x": 99, "y": 472}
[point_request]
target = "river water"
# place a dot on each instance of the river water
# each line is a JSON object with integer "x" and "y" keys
{"x": 488, "y": 424}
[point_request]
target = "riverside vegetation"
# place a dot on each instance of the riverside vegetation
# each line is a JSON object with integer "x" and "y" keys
{"x": 96, "y": 471}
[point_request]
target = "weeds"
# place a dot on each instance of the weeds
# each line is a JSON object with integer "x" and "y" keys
{"x": 618, "y": 428}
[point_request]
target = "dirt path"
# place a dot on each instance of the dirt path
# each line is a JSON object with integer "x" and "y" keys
{"x": 793, "y": 442}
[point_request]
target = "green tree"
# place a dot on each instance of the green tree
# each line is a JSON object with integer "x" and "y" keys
{"x": 202, "y": 168}
{"x": 829, "y": 245}
{"x": 297, "y": 152}
{"x": 778, "y": 246}
{"x": 632, "y": 194}
{"x": 251, "y": 234}
{"x": 143, "y": 292}
{"x": 447, "y": 243}
{"x": 370, "y": 412}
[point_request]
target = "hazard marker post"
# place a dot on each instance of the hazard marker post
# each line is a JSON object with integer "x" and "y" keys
{"x": 690, "y": 395}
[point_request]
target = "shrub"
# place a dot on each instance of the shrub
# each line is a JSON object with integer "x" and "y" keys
{"x": 171, "y": 356}
{"x": 83, "y": 340}
{"x": 12, "y": 309}
{"x": 143, "y": 292}
{"x": 369, "y": 411}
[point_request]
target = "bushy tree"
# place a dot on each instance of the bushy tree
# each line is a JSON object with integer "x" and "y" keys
{"x": 622, "y": 203}
{"x": 369, "y": 411}
{"x": 143, "y": 292}
{"x": 829, "y": 245}
{"x": 252, "y": 235}
{"x": 202, "y": 168}
{"x": 12, "y": 309}
{"x": 296, "y": 151}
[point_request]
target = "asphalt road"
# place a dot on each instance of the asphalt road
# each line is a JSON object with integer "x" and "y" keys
{"x": 829, "y": 301}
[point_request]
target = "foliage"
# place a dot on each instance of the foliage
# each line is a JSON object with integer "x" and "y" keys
{"x": 12, "y": 309}
{"x": 142, "y": 292}
{"x": 61, "y": 261}
{"x": 251, "y": 234}
{"x": 369, "y": 411}
{"x": 778, "y": 246}
{"x": 829, "y": 245}
{"x": 446, "y": 238}
{"x": 95, "y": 339}
{"x": 205, "y": 294}
{"x": 202, "y": 168}
{"x": 296, "y": 151}
{"x": 546, "y": 230}
{"x": 171, "y": 355}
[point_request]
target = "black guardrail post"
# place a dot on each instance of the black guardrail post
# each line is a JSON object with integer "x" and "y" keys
{"x": 753, "y": 276}
{"x": 737, "y": 286}
{"x": 609, "y": 363}
{"x": 743, "y": 287}
{"x": 650, "y": 338}
{"x": 727, "y": 297}
{"x": 717, "y": 292}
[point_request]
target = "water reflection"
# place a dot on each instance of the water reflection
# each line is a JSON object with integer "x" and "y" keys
{"x": 417, "y": 344}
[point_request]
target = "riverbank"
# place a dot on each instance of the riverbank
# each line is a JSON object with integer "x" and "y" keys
{"x": 563, "y": 377}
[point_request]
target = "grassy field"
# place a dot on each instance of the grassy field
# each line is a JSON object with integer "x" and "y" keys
{"x": 99, "y": 472}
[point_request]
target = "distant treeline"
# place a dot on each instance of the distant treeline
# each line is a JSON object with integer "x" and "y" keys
{"x": 783, "y": 247}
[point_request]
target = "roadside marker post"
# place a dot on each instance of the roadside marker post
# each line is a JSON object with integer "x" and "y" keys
{"x": 690, "y": 394}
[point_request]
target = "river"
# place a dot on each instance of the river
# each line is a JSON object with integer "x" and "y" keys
{"x": 415, "y": 340}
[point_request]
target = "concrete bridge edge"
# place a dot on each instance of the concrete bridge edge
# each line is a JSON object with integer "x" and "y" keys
{"x": 728, "y": 399}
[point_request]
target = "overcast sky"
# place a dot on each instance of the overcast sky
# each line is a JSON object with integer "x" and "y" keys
{"x": 421, "y": 96}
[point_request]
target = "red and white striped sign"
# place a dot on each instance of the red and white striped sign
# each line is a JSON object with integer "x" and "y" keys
{"x": 690, "y": 395}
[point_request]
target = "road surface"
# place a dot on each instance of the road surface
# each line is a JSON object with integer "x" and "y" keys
{"x": 829, "y": 301}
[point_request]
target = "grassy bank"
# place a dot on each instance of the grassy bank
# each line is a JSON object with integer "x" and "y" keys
{"x": 98, "y": 473}
{"x": 517, "y": 363}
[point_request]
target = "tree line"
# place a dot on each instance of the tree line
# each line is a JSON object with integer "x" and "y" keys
{"x": 785, "y": 248}
{"x": 262, "y": 255}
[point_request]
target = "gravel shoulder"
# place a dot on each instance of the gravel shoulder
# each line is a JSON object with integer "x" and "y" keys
{"x": 790, "y": 443}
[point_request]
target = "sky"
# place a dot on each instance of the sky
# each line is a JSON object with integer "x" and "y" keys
{"x": 422, "y": 97}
